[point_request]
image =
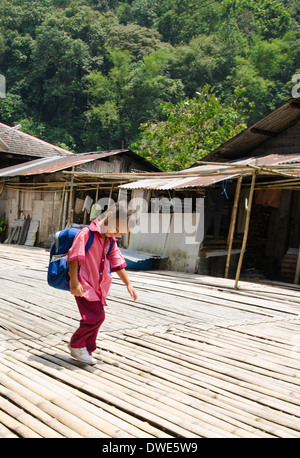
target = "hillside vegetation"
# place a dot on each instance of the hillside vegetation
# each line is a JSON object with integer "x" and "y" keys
{"x": 171, "y": 79}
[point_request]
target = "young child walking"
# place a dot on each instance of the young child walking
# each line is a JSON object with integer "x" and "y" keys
{"x": 90, "y": 275}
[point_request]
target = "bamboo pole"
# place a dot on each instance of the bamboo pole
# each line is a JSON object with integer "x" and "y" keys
{"x": 232, "y": 223}
{"x": 61, "y": 207}
{"x": 245, "y": 231}
{"x": 65, "y": 206}
{"x": 85, "y": 216}
{"x": 70, "y": 209}
{"x": 110, "y": 192}
{"x": 227, "y": 169}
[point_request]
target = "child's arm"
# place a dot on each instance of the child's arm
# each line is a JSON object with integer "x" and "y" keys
{"x": 125, "y": 279}
{"x": 75, "y": 287}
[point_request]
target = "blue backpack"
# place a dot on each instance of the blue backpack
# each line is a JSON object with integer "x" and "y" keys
{"x": 58, "y": 270}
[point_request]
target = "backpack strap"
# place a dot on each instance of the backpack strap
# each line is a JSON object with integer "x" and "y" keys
{"x": 90, "y": 241}
{"x": 110, "y": 247}
{"x": 108, "y": 252}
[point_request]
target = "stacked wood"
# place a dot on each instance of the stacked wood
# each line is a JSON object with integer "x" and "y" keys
{"x": 23, "y": 231}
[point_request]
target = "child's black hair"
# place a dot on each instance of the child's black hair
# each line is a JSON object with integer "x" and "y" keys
{"x": 121, "y": 212}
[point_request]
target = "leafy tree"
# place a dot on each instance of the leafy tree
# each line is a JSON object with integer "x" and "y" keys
{"x": 257, "y": 88}
{"x": 141, "y": 12}
{"x": 192, "y": 129}
{"x": 205, "y": 60}
{"x": 86, "y": 73}
{"x": 150, "y": 86}
{"x": 273, "y": 59}
{"x": 105, "y": 93}
{"x": 2, "y": 46}
{"x": 127, "y": 95}
{"x": 139, "y": 41}
{"x": 18, "y": 22}
{"x": 271, "y": 19}
{"x": 265, "y": 71}
{"x": 12, "y": 108}
{"x": 59, "y": 58}
{"x": 181, "y": 20}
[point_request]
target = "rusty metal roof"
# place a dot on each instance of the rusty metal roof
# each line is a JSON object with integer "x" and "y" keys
{"x": 57, "y": 163}
{"x": 47, "y": 165}
{"x": 208, "y": 175}
{"x": 242, "y": 145}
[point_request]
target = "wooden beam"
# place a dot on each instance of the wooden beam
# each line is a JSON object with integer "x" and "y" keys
{"x": 297, "y": 273}
{"x": 268, "y": 133}
{"x": 245, "y": 231}
{"x": 232, "y": 224}
{"x": 71, "y": 210}
{"x": 295, "y": 105}
{"x": 61, "y": 208}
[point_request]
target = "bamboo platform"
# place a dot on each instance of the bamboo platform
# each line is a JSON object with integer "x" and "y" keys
{"x": 191, "y": 358}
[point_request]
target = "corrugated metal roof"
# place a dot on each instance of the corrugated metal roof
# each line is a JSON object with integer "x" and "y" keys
{"x": 271, "y": 159}
{"x": 17, "y": 142}
{"x": 211, "y": 174}
{"x": 176, "y": 183}
{"x": 56, "y": 163}
{"x": 47, "y": 165}
{"x": 53, "y": 164}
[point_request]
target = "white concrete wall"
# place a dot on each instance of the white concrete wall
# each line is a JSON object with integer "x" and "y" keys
{"x": 170, "y": 235}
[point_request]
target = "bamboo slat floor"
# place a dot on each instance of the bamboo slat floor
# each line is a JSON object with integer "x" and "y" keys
{"x": 191, "y": 358}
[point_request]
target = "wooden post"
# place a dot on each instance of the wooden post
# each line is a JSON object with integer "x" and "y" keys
{"x": 64, "y": 215}
{"x": 297, "y": 273}
{"x": 61, "y": 208}
{"x": 110, "y": 193}
{"x": 232, "y": 223}
{"x": 245, "y": 231}
{"x": 71, "y": 210}
{"x": 85, "y": 216}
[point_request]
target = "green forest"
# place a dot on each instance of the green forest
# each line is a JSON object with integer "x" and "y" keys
{"x": 170, "y": 79}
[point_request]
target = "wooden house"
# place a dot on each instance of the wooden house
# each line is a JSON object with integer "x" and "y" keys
{"x": 246, "y": 194}
{"x": 255, "y": 173}
{"x": 273, "y": 146}
{"x": 17, "y": 147}
{"x": 42, "y": 196}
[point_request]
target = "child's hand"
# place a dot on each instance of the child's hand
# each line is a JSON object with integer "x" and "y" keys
{"x": 132, "y": 292}
{"x": 76, "y": 289}
{"x": 124, "y": 277}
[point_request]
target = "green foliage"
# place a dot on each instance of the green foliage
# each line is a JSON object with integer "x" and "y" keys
{"x": 269, "y": 17}
{"x": 206, "y": 60}
{"x": 85, "y": 74}
{"x": 141, "y": 12}
{"x": 139, "y": 41}
{"x": 126, "y": 96}
{"x": 181, "y": 20}
{"x": 3, "y": 223}
{"x": 192, "y": 129}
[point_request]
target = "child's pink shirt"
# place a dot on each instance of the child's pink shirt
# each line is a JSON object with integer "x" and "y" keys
{"x": 95, "y": 267}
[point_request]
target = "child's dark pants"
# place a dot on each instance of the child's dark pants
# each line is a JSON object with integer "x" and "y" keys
{"x": 93, "y": 315}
